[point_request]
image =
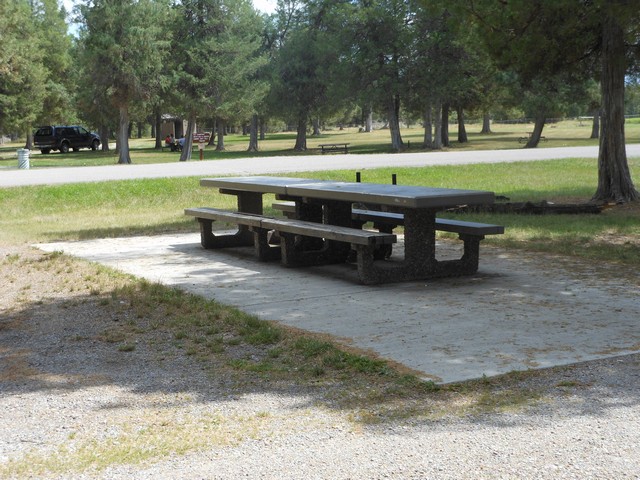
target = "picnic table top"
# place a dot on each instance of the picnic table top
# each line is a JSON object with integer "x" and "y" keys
{"x": 406, "y": 196}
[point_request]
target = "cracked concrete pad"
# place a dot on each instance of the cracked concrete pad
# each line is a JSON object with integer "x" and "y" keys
{"x": 520, "y": 311}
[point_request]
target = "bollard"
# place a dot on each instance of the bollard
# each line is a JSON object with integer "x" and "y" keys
{"x": 394, "y": 179}
{"x": 358, "y": 177}
{"x": 23, "y": 158}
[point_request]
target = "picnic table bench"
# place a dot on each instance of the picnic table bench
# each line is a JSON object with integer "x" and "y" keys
{"x": 334, "y": 147}
{"x": 363, "y": 242}
{"x": 529, "y": 134}
{"x": 469, "y": 232}
{"x": 324, "y": 228}
{"x": 397, "y": 219}
{"x": 174, "y": 147}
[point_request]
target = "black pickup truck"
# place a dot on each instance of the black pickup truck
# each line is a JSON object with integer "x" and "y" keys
{"x": 65, "y": 137}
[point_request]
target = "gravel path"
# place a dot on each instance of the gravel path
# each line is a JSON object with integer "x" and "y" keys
{"x": 66, "y": 392}
{"x": 591, "y": 433}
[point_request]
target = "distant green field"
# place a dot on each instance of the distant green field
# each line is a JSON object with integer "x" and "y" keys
{"x": 561, "y": 134}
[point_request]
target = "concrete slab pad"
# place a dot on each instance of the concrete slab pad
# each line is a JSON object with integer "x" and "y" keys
{"x": 520, "y": 311}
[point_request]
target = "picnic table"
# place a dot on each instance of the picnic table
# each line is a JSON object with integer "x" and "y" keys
{"x": 323, "y": 230}
{"x": 334, "y": 147}
{"x": 528, "y": 137}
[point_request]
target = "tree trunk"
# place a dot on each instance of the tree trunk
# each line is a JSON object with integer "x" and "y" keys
{"x": 316, "y": 127}
{"x": 263, "y": 129}
{"x": 301, "y": 136}
{"x": 437, "y": 134}
{"x": 29, "y": 143}
{"x": 393, "y": 108}
{"x": 123, "y": 136}
{"x": 537, "y": 131}
{"x": 368, "y": 119}
{"x": 595, "y": 126}
{"x": 253, "y": 134}
{"x": 212, "y": 138}
{"x": 614, "y": 178}
{"x": 104, "y": 137}
{"x": 445, "y": 125}
{"x": 188, "y": 139}
{"x": 222, "y": 128}
{"x": 158, "y": 130}
{"x": 486, "y": 123}
{"x": 427, "y": 142}
{"x": 462, "y": 130}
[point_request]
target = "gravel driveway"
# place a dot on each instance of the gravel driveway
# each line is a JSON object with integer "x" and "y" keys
{"x": 73, "y": 406}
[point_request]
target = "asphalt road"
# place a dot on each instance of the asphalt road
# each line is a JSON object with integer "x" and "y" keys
{"x": 14, "y": 177}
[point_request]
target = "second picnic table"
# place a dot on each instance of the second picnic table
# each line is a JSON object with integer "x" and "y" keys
{"x": 334, "y": 147}
{"x": 324, "y": 220}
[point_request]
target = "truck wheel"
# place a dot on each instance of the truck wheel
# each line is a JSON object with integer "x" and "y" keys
{"x": 45, "y": 150}
{"x": 94, "y": 145}
{"x": 64, "y": 148}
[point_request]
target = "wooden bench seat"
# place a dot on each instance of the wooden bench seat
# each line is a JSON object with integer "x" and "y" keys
{"x": 294, "y": 250}
{"x": 328, "y": 232}
{"x": 526, "y": 139}
{"x": 174, "y": 147}
{"x": 396, "y": 219}
{"x": 442, "y": 224}
{"x": 470, "y": 233}
{"x": 206, "y": 216}
{"x": 287, "y": 208}
{"x": 226, "y": 216}
{"x": 297, "y": 227}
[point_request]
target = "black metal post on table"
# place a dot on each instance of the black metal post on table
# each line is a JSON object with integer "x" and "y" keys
{"x": 394, "y": 178}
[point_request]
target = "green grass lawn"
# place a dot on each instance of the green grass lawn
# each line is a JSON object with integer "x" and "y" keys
{"x": 147, "y": 206}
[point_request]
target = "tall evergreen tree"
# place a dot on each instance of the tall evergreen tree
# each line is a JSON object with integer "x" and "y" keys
{"x": 546, "y": 40}
{"x": 308, "y": 44}
{"x": 22, "y": 73}
{"x": 126, "y": 41}
{"x": 300, "y": 85}
{"x": 380, "y": 55}
{"x": 217, "y": 53}
{"x": 56, "y": 43}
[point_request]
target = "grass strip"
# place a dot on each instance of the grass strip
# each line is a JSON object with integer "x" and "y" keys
{"x": 152, "y": 206}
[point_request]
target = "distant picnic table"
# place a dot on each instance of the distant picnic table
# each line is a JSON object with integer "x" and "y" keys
{"x": 528, "y": 137}
{"x": 334, "y": 147}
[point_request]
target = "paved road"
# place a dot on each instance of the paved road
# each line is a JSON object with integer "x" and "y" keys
{"x": 269, "y": 165}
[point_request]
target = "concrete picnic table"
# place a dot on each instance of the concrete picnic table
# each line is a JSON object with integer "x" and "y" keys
{"x": 330, "y": 203}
